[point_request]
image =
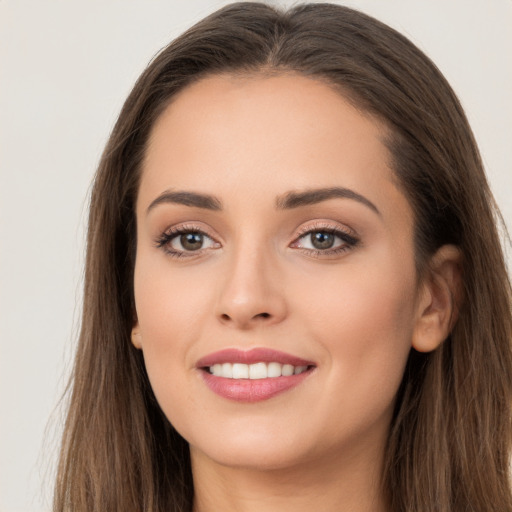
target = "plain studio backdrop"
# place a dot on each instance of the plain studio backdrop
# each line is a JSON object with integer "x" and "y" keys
{"x": 65, "y": 69}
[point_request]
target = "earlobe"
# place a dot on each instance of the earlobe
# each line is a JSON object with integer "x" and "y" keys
{"x": 136, "y": 336}
{"x": 439, "y": 300}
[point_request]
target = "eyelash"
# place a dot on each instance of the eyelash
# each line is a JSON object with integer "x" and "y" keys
{"x": 165, "y": 239}
{"x": 348, "y": 238}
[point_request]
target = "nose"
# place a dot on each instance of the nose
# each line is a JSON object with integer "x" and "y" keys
{"x": 252, "y": 292}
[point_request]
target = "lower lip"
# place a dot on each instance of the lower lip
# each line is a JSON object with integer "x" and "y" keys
{"x": 252, "y": 390}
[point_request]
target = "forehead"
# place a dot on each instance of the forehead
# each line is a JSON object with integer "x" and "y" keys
{"x": 259, "y": 133}
{"x": 258, "y": 99}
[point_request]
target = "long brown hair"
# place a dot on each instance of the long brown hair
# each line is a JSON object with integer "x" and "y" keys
{"x": 450, "y": 439}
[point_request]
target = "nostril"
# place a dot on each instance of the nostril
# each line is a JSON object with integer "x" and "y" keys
{"x": 242, "y": 319}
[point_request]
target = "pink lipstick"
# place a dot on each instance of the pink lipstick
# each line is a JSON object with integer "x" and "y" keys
{"x": 252, "y": 375}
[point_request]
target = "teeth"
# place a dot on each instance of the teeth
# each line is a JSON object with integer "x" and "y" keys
{"x": 258, "y": 371}
{"x": 255, "y": 371}
{"x": 227, "y": 370}
{"x": 240, "y": 371}
{"x": 287, "y": 370}
{"x": 274, "y": 369}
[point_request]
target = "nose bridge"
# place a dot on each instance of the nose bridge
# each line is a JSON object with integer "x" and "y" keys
{"x": 251, "y": 292}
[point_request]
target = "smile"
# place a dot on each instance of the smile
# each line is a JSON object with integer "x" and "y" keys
{"x": 253, "y": 375}
{"x": 255, "y": 371}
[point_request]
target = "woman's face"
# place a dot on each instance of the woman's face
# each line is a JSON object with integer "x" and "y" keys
{"x": 272, "y": 240}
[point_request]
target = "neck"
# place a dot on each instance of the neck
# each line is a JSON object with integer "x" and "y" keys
{"x": 326, "y": 485}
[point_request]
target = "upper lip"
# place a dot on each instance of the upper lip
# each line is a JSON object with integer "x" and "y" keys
{"x": 255, "y": 355}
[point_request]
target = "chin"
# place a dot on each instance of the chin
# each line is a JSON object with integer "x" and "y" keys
{"x": 251, "y": 458}
{"x": 255, "y": 450}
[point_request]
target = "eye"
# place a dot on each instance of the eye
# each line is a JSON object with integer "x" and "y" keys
{"x": 185, "y": 241}
{"x": 325, "y": 241}
{"x": 321, "y": 240}
{"x": 192, "y": 241}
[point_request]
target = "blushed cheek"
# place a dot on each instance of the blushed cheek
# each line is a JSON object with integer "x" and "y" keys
{"x": 168, "y": 305}
{"x": 365, "y": 323}
{"x": 166, "y": 328}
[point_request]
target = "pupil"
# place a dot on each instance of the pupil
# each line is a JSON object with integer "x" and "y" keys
{"x": 322, "y": 240}
{"x": 191, "y": 241}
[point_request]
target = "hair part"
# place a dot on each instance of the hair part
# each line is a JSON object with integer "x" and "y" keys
{"x": 450, "y": 439}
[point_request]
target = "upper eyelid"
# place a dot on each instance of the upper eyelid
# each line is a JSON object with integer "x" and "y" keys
{"x": 319, "y": 225}
{"x": 304, "y": 229}
{"x": 185, "y": 227}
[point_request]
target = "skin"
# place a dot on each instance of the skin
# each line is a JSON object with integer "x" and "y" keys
{"x": 257, "y": 282}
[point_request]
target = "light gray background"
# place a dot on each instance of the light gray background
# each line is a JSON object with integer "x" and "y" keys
{"x": 65, "y": 69}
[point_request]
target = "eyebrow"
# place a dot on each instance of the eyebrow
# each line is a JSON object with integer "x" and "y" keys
{"x": 192, "y": 199}
{"x": 287, "y": 201}
{"x": 314, "y": 196}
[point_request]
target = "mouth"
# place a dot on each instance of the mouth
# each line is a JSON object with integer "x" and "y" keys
{"x": 261, "y": 370}
{"x": 254, "y": 375}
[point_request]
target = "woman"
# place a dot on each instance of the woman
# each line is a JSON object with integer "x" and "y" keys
{"x": 295, "y": 294}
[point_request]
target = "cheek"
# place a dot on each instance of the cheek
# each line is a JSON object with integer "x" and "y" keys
{"x": 169, "y": 304}
{"x": 170, "y": 314}
{"x": 364, "y": 321}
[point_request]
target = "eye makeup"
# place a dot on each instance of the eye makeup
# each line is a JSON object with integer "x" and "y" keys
{"x": 320, "y": 240}
{"x": 186, "y": 240}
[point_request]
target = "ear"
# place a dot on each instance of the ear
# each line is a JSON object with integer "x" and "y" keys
{"x": 438, "y": 300}
{"x": 136, "y": 336}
